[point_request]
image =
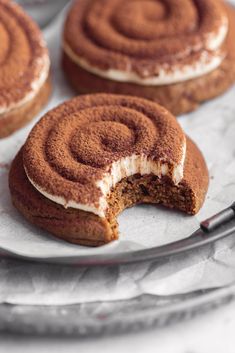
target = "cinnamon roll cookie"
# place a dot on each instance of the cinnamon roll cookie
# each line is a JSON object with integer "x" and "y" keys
{"x": 94, "y": 156}
{"x": 178, "y": 53}
{"x": 24, "y": 68}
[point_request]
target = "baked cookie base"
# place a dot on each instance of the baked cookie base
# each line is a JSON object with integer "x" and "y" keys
{"x": 177, "y": 98}
{"x": 85, "y": 228}
{"x": 17, "y": 118}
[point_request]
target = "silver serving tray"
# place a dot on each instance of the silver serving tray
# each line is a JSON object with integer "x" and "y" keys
{"x": 101, "y": 318}
{"x": 145, "y": 311}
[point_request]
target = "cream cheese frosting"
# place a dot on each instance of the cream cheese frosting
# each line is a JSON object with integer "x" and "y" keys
{"x": 43, "y": 72}
{"x": 207, "y": 61}
{"x": 119, "y": 170}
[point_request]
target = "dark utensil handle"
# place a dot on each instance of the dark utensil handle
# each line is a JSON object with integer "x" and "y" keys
{"x": 219, "y": 219}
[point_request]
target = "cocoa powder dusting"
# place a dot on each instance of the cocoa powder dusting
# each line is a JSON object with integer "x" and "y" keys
{"x": 76, "y": 143}
{"x": 142, "y": 36}
{"x": 21, "y": 53}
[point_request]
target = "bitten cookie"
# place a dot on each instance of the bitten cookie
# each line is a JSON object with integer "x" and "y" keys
{"x": 24, "y": 68}
{"x": 178, "y": 53}
{"x": 92, "y": 157}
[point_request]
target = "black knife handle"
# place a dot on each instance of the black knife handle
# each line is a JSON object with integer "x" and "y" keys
{"x": 219, "y": 219}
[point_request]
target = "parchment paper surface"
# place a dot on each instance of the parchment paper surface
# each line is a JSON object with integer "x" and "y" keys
{"x": 212, "y": 126}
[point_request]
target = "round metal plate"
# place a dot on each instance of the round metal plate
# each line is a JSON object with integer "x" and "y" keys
{"x": 101, "y": 318}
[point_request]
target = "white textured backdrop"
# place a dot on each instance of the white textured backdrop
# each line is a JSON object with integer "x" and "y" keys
{"x": 213, "y": 128}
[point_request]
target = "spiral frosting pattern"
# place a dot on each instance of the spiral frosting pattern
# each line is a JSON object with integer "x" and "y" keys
{"x": 81, "y": 149}
{"x": 24, "y": 62}
{"x": 149, "y": 38}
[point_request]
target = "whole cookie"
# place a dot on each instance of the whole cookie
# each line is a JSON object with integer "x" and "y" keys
{"x": 24, "y": 68}
{"x": 94, "y": 156}
{"x": 178, "y": 53}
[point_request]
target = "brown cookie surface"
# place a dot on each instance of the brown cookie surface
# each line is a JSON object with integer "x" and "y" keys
{"x": 75, "y": 145}
{"x": 131, "y": 48}
{"x": 57, "y": 179}
{"x": 24, "y": 68}
{"x": 19, "y": 117}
